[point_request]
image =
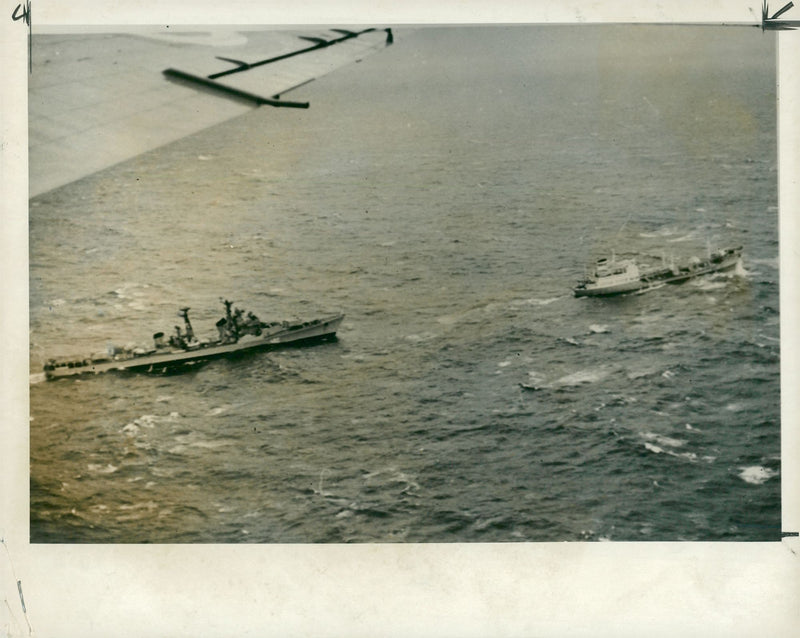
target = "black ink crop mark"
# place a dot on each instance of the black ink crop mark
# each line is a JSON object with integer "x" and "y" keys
{"x": 23, "y": 12}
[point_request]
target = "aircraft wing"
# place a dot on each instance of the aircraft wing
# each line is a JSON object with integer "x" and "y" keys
{"x": 97, "y": 99}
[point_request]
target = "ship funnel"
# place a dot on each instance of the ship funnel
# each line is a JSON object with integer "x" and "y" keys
{"x": 158, "y": 339}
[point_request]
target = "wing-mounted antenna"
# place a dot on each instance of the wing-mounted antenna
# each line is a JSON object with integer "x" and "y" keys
{"x": 772, "y": 22}
{"x": 320, "y": 41}
{"x": 240, "y": 64}
{"x": 212, "y": 84}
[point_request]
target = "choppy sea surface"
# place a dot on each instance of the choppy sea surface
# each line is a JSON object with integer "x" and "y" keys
{"x": 446, "y": 194}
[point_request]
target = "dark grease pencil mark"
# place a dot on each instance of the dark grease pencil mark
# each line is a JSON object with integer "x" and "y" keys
{"x": 25, "y": 15}
{"x": 23, "y": 12}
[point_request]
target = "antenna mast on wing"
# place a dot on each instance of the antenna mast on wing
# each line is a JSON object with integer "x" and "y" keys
{"x": 211, "y": 84}
{"x": 772, "y": 23}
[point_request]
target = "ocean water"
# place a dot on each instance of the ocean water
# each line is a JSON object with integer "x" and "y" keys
{"x": 445, "y": 194}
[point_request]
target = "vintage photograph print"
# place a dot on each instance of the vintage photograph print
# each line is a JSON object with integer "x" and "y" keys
{"x": 404, "y": 285}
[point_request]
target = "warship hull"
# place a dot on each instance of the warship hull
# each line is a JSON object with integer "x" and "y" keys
{"x": 160, "y": 360}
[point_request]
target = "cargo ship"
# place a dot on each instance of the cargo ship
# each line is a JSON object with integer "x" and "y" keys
{"x": 621, "y": 276}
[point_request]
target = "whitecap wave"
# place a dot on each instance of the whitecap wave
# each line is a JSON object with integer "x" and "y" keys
{"x": 662, "y": 440}
{"x": 415, "y": 338}
{"x": 641, "y": 373}
{"x": 756, "y": 474}
{"x": 448, "y": 320}
{"x": 536, "y": 379}
{"x": 666, "y": 231}
{"x": 135, "y": 512}
{"x": 97, "y": 468}
{"x": 534, "y": 301}
{"x": 148, "y": 421}
{"x": 597, "y": 328}
{"x": 582, "y": 376}
{"x": 144, "y": 421}
{"x": 683, "y": 238}
{"x": 210, "y": 445}
{"x": 130, "y": 289}
{"x": 37, "y": 378}
{"x": 689, "y": 456}
{"x": 131, "y": 428}
{"x": 660, "y": 444}
{"x": 736, "y": 407}
{"x": 143, "y": 505}
{"x": 740, "y": 271}
{"x": 706, "y": 283}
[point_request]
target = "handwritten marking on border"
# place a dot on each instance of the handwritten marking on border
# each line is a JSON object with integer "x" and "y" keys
{"x": 23, "y": 12}
{"x": 25, "y": 15}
